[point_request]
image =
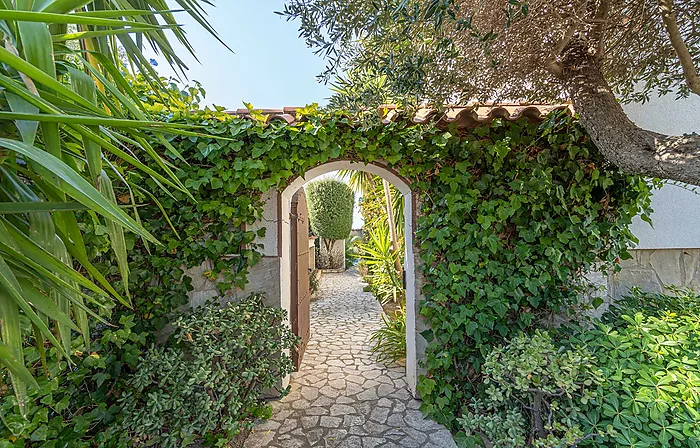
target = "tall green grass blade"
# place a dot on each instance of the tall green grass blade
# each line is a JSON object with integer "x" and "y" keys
{"x": 65, "y": 302}
{"x": 27, "y": 129}
{"x": 98, "y": 121}
{"x": 85, "y": 87}
{"x": 45, "y": 79}
{"x": 10, "y": 208}
{"x": 75, "y": 186}
{"x": 75, "y": 19}
{"x": 44, "y": 258}
{"x": 83, "y": 35}
{"x": 116, "y": 233}
{"x": 45, "y": 305}
{"x": 11, "y": 349}
{"x": 14, "y": 365}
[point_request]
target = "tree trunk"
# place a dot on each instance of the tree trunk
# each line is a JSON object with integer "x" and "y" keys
{"x": 537, "y": 420}
{"x": 392, "y": 223}
{"x": 621, "y": 142}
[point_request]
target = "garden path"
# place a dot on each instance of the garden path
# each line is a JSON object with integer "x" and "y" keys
{"x": 341, "y": 396}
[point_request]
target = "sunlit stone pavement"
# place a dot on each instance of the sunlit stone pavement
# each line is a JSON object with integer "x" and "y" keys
{"x": 342, "y": 397}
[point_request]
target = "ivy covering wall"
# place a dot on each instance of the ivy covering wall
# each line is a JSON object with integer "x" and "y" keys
{"x": 511, "y": 217}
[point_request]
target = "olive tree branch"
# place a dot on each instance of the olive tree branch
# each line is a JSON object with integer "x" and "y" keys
{"x": 553, "y": 65}
{"x": 668, "y": 15}
{"x": 601, "y": 19}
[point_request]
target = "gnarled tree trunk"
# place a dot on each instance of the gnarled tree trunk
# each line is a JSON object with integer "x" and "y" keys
{"x": 621, "y": 142}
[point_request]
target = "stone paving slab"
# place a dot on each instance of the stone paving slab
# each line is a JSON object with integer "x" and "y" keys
{"x": 341, "y": 397}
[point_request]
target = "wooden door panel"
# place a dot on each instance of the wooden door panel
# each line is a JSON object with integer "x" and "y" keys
{"x": 300, "y": 296}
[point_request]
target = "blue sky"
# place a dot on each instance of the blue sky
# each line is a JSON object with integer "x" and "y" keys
{"x": 270, "y": 66}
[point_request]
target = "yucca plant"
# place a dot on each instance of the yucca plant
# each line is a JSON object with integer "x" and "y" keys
{"x": 381, "y": 260}
{"x": 365, "y": 184}
{"x": 70, "y": 127}
{"x": 389, "y": 342}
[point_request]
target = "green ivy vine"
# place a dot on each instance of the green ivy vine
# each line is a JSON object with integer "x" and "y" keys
{"x": 512, "y": 216}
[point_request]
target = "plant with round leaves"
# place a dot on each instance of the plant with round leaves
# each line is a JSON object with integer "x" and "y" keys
{"x": 538, "y": 379}
{"x": 509, "y": 218}
{"x": 209, "y": 382}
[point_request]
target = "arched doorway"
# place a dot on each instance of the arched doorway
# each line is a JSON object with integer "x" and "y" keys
{"x": 286, "y": 264}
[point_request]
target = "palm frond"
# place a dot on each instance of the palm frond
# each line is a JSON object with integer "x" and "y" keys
{"x": 70, "y": 113}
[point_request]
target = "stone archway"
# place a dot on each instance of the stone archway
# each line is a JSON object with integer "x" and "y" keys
{"x": 410, "y": 262}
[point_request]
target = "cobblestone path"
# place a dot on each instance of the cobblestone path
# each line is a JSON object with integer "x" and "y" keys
{"x": 341, "y": 397}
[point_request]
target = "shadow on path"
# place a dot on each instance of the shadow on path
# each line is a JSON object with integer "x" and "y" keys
{"x": 341, "y": 397}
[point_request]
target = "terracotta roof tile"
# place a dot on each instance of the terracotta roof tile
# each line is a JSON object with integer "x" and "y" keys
{"x": 465, "y": 116}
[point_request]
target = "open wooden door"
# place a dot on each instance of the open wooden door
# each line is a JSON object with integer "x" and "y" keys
{"x": 300, "y": 297}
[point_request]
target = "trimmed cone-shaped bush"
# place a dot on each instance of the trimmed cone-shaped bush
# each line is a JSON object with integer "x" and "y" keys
{"x": 331, "y": 204}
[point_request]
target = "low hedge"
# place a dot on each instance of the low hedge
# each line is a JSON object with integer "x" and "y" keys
{"x": 630, "y": 381}
{"x": 207, "y": 385}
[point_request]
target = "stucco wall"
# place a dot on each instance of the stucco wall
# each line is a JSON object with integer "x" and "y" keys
{"x": 262, "y": 278}
{"x": 668, "y": 251}
{"x": 653, "y": 269}
{"x": 335, "y": 259}
{"x": 676, "y": 214}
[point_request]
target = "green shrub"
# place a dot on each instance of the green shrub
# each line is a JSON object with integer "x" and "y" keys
{"x": 510, "y": 217}
{"x": 208, "y": 384}
{"x": 76, "y": 405}
{"x": 380, "y": 258}
{"x": 351, "y": 253}
{"x": 650, "y": 357}
{"x": 389, "y": 342}
{"x": 533, "y": 390}
{"x": 679, "y": 300}
{"x": 331, "y": 203}
{"x": 632, "y": 381}
{"x": 313, "y": 282}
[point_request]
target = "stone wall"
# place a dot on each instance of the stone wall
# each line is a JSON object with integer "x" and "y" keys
{"x": 653, "y": 269}
{"x": 333, "y": 260}
{"x": 264, "y": 277}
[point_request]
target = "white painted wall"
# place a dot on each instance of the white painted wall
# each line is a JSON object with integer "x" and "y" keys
{"x": 268, "y": 221}
{"x": 676, "y": 218}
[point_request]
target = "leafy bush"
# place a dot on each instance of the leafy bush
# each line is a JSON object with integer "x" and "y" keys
{"x": 631, "y": 382}
{"x": 75, "y": 405}
{"x": 313, "y": 282}
{"x": 533, "y": 390}
{"x": 511, "y": 214}
{"x": 331, "y": 203}
{"x": 649, "y": 353}
{"x": 514, "y": 217}
{"x": 389, "y": 342}
{"x": 351, "y": 253}
{"x": 381, "y": 259}
{"x": 209, "y": 383}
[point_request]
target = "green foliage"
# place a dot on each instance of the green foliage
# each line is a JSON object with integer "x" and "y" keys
{"x": 313, "y": 282}
{"x": 351, "y": 253}
{"x": 650, "y": 358}
{"x": 66, "y": 111}
{"x": 631, "y": 382}
{"x": 75, "y": 405}
{"x": 532, "y": 376}
{"x": 513, "y": 218}
{"x": 511, "y": 215}
{"x": 381, "y": 260}
{"x": 389, "y": 342}
{"x": 373, "y": 206}
{"x": 331, "y": 203}
{"x": 208, "y": 384}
